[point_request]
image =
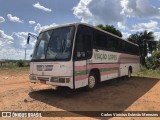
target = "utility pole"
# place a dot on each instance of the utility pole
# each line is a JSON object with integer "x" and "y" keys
{"x": 25, "y": 54}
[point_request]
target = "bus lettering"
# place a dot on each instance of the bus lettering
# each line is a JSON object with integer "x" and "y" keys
{"x": 105, "y": 56}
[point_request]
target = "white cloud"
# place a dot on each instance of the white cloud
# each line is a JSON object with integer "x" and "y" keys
{"x": 14, "y": 18}
{"x": 39, "y": 28}
{"x": 103, "y": 11}
{"x": 125, "y": 35}
{"x": 150, "y": 26}
{"x": 5, "y": 39}
{"x": 113, "y": 11}
{"x": 1, "y": 19}
{"x": 121, "y": 25}
{"x": 31, "y": 22}
{"x": 14, "y": 53}
{"x": 82, "y": 11}
{"x": 157, "y": 36}
{"x": 12, "y": 47}
{"x": 20, "y": 40}
{"x": 38, "y": 6}
{"x": 139, "y": 8}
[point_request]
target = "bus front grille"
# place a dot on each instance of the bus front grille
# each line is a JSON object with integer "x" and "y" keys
{"x": 44, "y": 67}
{"x": 43, "y": 78}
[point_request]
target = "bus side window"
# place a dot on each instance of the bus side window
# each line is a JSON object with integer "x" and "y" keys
{"x": 88, "y": 45}
{"x": 80, "y": 47}
{"x": 110, "y": 44}
{"x": 83, "y": 46}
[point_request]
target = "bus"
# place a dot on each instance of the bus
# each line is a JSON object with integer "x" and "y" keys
{"x": 80, "y": 55}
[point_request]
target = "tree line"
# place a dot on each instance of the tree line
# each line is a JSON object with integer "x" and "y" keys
{"x": 149, "y": 48}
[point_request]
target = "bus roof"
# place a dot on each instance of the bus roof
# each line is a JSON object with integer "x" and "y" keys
{"x": 77, "y": 23}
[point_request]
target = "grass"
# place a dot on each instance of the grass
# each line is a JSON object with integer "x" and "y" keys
{"x": 12, "y": 67}
{"x": 148, "y": 73}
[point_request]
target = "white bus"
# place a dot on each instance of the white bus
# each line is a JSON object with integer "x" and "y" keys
{"x": 80, "y": 55}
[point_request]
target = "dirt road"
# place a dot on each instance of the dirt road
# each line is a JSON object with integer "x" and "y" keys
{"x": 137, "y": 94}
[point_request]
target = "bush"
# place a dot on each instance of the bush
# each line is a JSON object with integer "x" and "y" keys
{"x": 153, "y": 62}
{"x": 20, "y": 63}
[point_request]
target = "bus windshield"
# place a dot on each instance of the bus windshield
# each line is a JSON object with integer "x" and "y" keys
{"x": 54, "y": 44}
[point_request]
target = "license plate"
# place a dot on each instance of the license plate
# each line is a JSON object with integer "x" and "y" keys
{"x": 43, "y": 81}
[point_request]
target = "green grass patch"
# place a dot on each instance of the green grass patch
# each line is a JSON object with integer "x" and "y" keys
{"x": 18, "y": 69}
{"x": 13, "y": 68}
{"x": 148, "y": 73}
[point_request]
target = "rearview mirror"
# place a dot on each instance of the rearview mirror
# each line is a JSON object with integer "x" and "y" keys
{"x": 28, "y": 39}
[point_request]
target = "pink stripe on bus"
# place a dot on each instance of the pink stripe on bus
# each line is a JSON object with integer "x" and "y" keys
{"x": 80, "y": 68}
{"x": 129, "y": 61}
{"x": 82, "y": 77}
{"x": 102, "y": 66}
{"x": 126, "y": 55}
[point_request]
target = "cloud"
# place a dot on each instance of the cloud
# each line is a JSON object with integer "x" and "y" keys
{"x": 103, "y": 11}
{"x": 1, "y": 19}
{"x": 121, "y": 25}
{"x": 113, "y": 11}
{"x": 20, "y": 40}
{"x": 38, "y": 6}
{"x": 31, "y": 22}
{"x": 139, "y": 8}
{"x": 14, "y": 18}
{"x": 125, "y": 35}
{"x": 5, "y": 39}
{"x": 12, "y": 47}
{"x": 150, "y": 26}
{"x": 14, "y": 54}
{"x": 39, "y": 28}
{"x": 157, "y": 36}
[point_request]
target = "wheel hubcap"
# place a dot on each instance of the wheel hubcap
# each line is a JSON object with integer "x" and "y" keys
{"x": 91, "y": 82}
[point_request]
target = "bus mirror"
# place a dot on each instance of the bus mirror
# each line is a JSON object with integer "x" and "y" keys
{"x": 31, "y": 55}
{"x": 28, "y": 39}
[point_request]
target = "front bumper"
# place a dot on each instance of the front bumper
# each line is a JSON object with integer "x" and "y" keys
{"x": 53, "y": 80}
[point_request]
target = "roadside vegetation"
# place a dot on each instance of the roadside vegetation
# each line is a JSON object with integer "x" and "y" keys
{"x": 19, "y": 65}
{"x": 151, "y": 73}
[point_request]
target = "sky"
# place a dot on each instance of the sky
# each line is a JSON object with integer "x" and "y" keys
{"x": 19, "y": 17}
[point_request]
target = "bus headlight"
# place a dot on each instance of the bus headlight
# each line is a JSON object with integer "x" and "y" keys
{"x": 31, "y": 77}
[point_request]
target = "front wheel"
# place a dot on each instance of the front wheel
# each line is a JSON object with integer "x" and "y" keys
{"x": 91, "y": 82}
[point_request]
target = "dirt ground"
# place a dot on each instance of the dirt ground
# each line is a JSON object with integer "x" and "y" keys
{"x": 136, "y": 94}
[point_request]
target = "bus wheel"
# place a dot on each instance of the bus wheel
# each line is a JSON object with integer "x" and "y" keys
{"x": 129, "y": 73}
{"x": 91, "y": 82}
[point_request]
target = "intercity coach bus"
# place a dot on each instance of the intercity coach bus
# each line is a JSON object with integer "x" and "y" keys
{"x": 79, "y": 55}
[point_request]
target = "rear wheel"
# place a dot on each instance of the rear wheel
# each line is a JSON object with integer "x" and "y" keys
{"x": 129, "y": 74}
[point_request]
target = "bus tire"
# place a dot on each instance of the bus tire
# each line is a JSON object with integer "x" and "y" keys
{"x": 129, "y": 74}
{"x": 92, "y": 81}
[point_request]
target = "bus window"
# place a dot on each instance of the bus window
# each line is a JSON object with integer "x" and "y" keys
{"x": 110, "y": 44}
{"x": 83, "y": 46}
{"x": 100, "y": 41}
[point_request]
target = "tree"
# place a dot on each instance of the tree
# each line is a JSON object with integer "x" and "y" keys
{"x": 143, "y": 39}
{"x": 111, "y": 29}
{"x": 158, "y": 45}
{"x": 20, "y": 63}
